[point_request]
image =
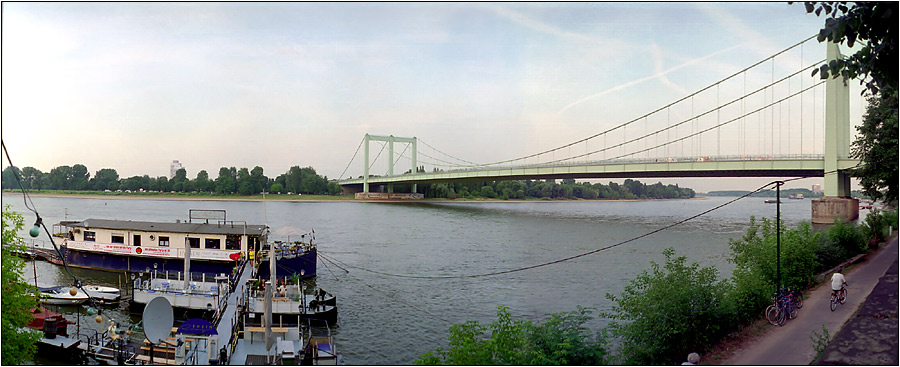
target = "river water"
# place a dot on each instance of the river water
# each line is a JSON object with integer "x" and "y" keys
{"x": 385, "y": 319}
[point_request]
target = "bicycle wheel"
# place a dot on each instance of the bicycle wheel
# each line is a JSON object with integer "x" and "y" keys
{"x": 772, "y": 314}
{"x": 833, "y": 301}
{"x": 843, "y": 295}
{"x": 793, "y": 310}
{"x": 799, "y": 300}
{"x": 782, "y": 314}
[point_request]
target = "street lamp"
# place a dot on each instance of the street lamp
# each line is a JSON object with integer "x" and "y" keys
{"x": 778, "y": 235}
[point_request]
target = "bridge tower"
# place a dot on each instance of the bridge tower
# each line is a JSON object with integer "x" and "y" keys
{"x": 837, "y": 202}
{"x": 390, "y": 140}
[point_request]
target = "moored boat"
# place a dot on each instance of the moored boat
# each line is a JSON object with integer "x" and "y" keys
{"x": 217, "y": 245}
{"x": 62, "y": 295}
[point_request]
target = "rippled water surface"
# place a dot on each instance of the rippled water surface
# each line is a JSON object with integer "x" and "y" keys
{"x": 386, "y": 319}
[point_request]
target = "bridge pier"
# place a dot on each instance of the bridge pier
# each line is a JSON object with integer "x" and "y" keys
{"x": 837, "y": 203}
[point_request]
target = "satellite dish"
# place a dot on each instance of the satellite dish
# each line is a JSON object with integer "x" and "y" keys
{"x": 158, "y": 319}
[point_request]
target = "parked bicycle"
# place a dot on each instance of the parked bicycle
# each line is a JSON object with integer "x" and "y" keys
{"x": 839, "y": 296}
{"x": 785, "y": 305}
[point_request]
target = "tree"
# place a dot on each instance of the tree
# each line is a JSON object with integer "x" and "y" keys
{"x": 18, "y": 346}
{"x": 9, "y": 178}
{"x": 225, "y": 181}
{"x": 276, "y": 188}
{"x": 80, "y": 176}
{"x": 873, "y": 22}
{"x": 106, "y": 178}
{"x": 60, "y": 177}
{"x": 259, "y": 180}
{"x": 671, "y": 310}
{"x": 876, "y": 147}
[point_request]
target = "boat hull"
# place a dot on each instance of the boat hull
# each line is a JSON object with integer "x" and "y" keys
{"x": 287, "y": 266}
{"x": 117, "y": 263}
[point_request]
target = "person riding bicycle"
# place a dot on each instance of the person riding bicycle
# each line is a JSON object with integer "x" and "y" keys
{"x": 838, "y": 281}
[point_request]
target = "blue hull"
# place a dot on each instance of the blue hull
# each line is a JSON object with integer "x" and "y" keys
{"x": 117, "y": 263}
{"x": 287, "y": 267}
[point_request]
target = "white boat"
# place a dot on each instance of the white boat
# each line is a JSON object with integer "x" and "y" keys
{"x": 100, "y": 289}
{"x": 61, "y": 296}
{"x": 102, "y": 294}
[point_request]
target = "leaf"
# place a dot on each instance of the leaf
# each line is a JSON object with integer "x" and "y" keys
{"x": 809, "y": 7}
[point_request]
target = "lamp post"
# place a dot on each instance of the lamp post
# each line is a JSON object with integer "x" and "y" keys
{"x": 302, "y": 293}
{"x": 778, "y": 235}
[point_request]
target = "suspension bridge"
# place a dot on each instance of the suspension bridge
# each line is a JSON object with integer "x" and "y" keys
{"x": 771, "y": 119}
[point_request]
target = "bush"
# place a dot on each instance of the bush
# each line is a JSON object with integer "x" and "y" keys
{"x": 672, "y": 310}
{"x": 562, "y": 339}
{"x": 754, "y": 256}
{"x": 848, "y": 237}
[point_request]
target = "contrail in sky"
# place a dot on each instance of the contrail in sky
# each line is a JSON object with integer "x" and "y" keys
{"x": 644, "y": 79}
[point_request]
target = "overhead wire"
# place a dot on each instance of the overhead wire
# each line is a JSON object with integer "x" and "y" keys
{"x": 40, "y": 222}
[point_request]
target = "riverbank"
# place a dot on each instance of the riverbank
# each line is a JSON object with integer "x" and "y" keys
{"x": 299, "y": 198}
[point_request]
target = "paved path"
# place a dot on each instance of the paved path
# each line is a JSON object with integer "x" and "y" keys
{"x": 791, "y": 344}
{"x": 871, "y": 337}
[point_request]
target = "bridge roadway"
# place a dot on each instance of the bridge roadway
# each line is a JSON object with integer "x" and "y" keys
{"x": 730, "y": 166}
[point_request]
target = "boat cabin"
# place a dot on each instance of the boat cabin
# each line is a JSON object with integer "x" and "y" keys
{"x": 222, "y": 241}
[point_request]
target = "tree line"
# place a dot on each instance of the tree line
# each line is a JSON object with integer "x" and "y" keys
{"x": 230, "y": 180}
{"x": 550, "y": 189}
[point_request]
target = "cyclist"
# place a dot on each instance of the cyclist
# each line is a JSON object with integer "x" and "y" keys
{"x": 838, "y": 281}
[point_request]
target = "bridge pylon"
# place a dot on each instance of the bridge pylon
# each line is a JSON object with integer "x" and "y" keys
{"x": 837, "y": 202}
{"x": 390, "y": 139}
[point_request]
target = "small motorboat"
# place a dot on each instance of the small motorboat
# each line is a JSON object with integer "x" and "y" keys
{"x": 771, "y": 201}
{"x": 61, "y": 296}
{"x": 102, "y": 293}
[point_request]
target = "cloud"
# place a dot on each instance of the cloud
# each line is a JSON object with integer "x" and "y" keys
{"x": 658, "y": 68}
{"x": 656, "y": 75}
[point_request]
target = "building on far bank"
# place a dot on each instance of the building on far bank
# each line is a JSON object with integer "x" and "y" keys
{"x": 174, "y": 167}
{"x": 817, "y": 189}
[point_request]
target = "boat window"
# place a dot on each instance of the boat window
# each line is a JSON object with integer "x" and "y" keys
{"x": 193, "y": 242}
{"x": 232, "y": 242}
{"x": 118, "y": 239}
{"x": 137, "y": 240}
{"x": 90, "y": 236}
{"x": 164, "y": 241}
{"x": 214, "y": 243}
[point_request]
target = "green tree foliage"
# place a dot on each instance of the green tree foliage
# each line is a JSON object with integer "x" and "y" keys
{"x": 876, "y": 147}
{"x": 754, "y": 257}
{"x": 873, "y": 22}
{"x": 106, "y": 178}
{"x": 671, "y": 310}
{"x": 567, "y": 189}
{"x": 276, "y": 188}
{"x": 561, "y": 340}
{"x": 18, "y": 346}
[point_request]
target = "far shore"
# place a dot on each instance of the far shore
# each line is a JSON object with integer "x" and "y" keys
{"x": 308, "y": 198}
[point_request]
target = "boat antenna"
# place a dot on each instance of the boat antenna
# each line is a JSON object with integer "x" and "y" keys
{"x": 36, "y": 230}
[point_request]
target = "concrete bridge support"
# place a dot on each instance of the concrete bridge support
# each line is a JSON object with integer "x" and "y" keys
{"x": 390, "y": 140}
{"x": 837, "y": 203}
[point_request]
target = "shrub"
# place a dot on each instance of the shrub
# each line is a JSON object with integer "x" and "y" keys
{"x": 754, "y": 256}
{"x": 848, "y": 237}
{"x": 562, "y": 339}
{"x": 671, "y": 310}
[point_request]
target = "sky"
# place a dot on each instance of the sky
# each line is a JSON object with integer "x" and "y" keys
{"x": 133, "y": 86}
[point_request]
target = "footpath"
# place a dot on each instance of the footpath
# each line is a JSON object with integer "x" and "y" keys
{"x": 867, "y": 322}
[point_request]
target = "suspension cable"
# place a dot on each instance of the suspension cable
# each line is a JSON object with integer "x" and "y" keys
{"x": 351, "y": 159}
